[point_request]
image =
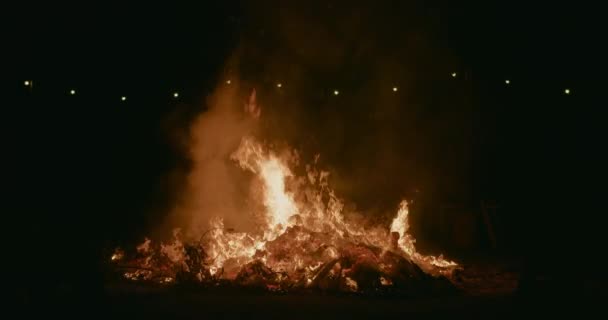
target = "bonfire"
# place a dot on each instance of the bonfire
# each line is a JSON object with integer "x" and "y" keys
{"x": 303, "y": 240}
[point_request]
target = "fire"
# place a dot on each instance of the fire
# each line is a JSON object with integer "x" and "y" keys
{"x": 304, "y": 239}
{"x": 273, "y": 172}
{"x": 280, "y": 204}
{"x": 229, "y": 249}
{"x": 406, "y": 242}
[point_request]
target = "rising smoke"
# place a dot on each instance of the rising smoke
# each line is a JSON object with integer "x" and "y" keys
{"x": 214, "y": 185}
{"x": 380, "y": 145}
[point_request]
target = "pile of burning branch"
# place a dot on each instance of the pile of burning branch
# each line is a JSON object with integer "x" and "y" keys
{"x": 305, "y": 243}
{"x": 349, "y": 267}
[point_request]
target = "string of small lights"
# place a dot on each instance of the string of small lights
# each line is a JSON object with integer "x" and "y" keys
{"x": 176, "y": 95}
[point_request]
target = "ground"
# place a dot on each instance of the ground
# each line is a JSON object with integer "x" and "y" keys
{"x": 487, "y": 291}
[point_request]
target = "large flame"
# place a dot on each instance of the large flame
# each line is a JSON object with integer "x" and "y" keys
{"x": 272, "y": 171}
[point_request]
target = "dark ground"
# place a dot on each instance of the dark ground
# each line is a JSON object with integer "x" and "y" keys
{"x": 487, "y": 290}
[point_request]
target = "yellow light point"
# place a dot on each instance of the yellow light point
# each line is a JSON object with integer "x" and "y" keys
{"x": 336, "y": 92}
{"x": 72, "y": 92}
{"x": 507, "y": 82}
{"x": 279, "y": 85}
{"x": 567, "y": 91}
{"x": 175, "y": 95}
{"x": 26, "y": 83}
{"x": 123, "y": 98}
{"x": 227, "y": 81}
{"x": 395, "y": 89}
{"x": 454, "y": 74}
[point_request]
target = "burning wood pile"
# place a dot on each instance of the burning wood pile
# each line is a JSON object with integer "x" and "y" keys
{"x": 300, "y": 259}
{"x": 303, "y": 242}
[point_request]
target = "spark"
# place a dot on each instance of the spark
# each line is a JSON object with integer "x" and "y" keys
{"x": 72, "y": 92}
{"x": 279, "y": 85}
{"x": 175, "y": 95}
{"x": 395, "y": 89}
{"x": 336, "y": 92}
{"x": 228, "y": 81}
{"x": 26, "y": 83}
{"x": 454, "y": 74}
{"x": 507, "y": 82}
{"x": 123, "y": 98}
{"x": 567, "y": 91}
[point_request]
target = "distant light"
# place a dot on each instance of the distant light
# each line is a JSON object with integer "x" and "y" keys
{"x": 279, "y": 85}
{"x": 123, "y": 98}
{"x": 567, "y": 91}
{"x": 72, "y": 92}
{"x": 395, "y": 89}
{"x": 26, "y": 83}
{"x": 454, "y": 74}
{"x": 507, "y": 82}
{"x": 336, "y": 92}
{"x": 227, "y": 81}
{"x": 175, "y": 95}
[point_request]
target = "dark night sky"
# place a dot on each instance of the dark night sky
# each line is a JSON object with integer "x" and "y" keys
{"x": 81, "y": 163}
